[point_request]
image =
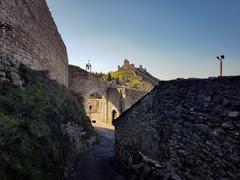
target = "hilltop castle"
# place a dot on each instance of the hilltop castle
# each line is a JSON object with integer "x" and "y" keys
{"x": 127, "y": 66}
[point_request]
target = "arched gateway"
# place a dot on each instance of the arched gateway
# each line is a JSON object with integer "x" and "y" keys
{"x": 102, "y": 102}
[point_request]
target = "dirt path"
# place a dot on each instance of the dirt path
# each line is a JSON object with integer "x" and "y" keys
{"x": 98, "y": 164}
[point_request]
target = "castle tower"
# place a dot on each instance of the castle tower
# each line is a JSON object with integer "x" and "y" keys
{"x": 126, "y": 64}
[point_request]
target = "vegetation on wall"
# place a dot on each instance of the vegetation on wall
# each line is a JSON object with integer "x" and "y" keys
{"x": 95, "y": 96}
{"x": 32, "y": 143}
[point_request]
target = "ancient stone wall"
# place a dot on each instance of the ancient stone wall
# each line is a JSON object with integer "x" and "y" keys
{"x": 115, "y": 102}
{"x": 146, "y": 76}
{"x": 131, "y": 97}
{"x": 183, "y": 129}
{"x": 85, "y": 83}
{"x": 9, "y": 72}
{"x": 95, "y": 109}
{"x": 29, "y": 35}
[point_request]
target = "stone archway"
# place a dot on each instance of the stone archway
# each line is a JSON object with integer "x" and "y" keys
{"x": 85, "y": 84}
{"x": 96, "y": 108}
{"x": 114, "y": 114}
{"x": 115, "y": 98}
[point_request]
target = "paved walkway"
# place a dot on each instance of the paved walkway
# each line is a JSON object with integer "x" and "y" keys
{"x": 97, "y": 164}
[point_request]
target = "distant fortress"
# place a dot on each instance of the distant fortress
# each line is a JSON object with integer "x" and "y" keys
{"x": 128, "y": 66}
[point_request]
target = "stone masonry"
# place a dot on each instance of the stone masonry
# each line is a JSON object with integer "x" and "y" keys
{"x": 183, "y": 129}
{"x": 29, "y": 35}
{"x": 117, "y": 99}
{"x": 9, "y": 72}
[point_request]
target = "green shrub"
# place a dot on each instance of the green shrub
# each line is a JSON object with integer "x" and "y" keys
{"x": 32, "y": 145}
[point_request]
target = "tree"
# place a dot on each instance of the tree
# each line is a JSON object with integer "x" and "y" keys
{"x": 109, "y": 77}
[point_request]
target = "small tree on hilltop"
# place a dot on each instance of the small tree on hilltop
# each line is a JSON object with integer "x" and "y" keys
{"x": 109, "y": 77}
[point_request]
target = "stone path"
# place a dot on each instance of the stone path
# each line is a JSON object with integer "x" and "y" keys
{"x": 98, "y": 164}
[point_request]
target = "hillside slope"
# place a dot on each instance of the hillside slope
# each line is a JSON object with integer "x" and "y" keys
{"x": 43, "y": 128}
{"x": 130, "y": 78}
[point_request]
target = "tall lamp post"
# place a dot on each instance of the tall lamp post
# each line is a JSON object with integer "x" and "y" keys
{"x": 221, "y": 58}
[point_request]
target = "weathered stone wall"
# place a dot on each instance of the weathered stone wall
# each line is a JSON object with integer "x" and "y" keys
{"x": 9, "y": 72}
{"x": 115, "y": 102}
{"x": 146, "y": 76}
{"x": 29, "y": 35}
{"x": 131, "y": 97}
{"x": 85, "y": 83}
{"x": 183, "y": 129}
{"x": 96, "y": 113}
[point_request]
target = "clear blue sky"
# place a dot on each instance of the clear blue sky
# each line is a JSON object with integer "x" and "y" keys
{"x": 171, "y": 38}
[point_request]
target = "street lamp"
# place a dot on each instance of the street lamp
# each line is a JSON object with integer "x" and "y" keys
{"x": 221, "y": 58}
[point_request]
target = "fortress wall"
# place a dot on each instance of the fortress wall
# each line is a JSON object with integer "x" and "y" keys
{"x": 29, "y": 35}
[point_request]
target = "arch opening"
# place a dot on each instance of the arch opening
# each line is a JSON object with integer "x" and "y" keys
{"x": 95, "y": 107}
{"x": 114, "y": 114}
{"x": 99, "y": 104}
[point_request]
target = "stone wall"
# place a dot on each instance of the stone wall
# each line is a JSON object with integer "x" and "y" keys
{"x": 183, "y": 129}
{"x": 96, "y": 113}
{"x": 115, "y": 102}
{"x": 29, "y": 35}
{"x": 84, "y": 83}
{"x": 131, "y": 97}
{"x": 9, "y": 72}
{"x": 147, "y": 76}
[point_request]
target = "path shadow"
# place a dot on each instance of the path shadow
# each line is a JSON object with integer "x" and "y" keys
{"x": 98, "y": 163}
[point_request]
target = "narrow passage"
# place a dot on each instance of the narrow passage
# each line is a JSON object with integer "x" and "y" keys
{"x": 98, "y": 164}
